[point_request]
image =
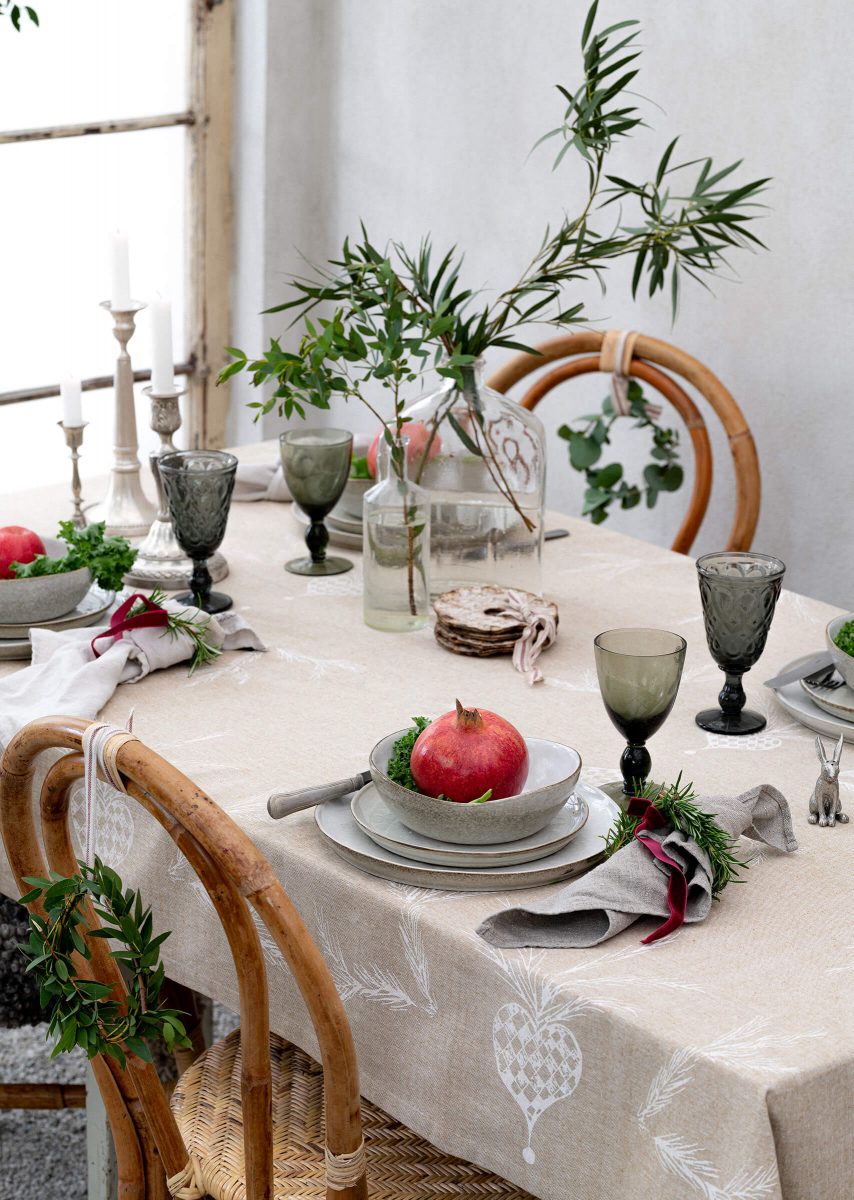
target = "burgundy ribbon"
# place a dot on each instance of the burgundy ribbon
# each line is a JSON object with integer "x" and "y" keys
{"x": 677, "y": 888}
{"x": 151, "y": 615}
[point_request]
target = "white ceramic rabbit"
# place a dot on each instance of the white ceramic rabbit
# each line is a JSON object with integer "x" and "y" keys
{"x": 825, "y": 805}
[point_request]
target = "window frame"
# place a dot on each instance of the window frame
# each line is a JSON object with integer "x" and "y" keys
{"x": 209, "y": 218}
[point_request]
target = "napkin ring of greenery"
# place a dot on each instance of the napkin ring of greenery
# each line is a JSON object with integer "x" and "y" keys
{"x": 83, "y": 1012}
{"x": 390, "y": 313}
{"x": 676, "y": 805}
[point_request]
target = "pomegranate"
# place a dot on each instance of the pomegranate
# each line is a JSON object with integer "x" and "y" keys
{"x": 468, "y": 752}
{"x": 419, "y": 436}
{"x": 17, "y": 544}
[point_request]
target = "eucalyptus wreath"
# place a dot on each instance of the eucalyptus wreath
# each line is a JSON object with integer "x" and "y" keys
{"x": 82, "y": 1012}
{"x": 388, "y": 314}
{"x": 607, "y": 486}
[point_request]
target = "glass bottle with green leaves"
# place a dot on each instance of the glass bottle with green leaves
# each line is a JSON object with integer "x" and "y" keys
{"x": 396, "y": 535}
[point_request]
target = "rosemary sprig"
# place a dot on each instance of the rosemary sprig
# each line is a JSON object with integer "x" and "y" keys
{"x": 195, "y": 628}
{"x": 676, "y": 805}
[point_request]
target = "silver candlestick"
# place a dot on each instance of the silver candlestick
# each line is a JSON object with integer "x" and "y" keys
{"x": 160, "y": 561}
{"x": 74, "y": 440}
{"x": 125, "y": 509}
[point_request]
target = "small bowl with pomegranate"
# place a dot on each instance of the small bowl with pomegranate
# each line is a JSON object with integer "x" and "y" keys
{"x": 470, "y": 777}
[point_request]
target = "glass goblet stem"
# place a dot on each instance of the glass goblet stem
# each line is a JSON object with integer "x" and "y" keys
{"x": 635, "y": 766}
{"x": 732, "y": 698}
{"x": 317, "y": 539}
{"x": 200, "y": 582}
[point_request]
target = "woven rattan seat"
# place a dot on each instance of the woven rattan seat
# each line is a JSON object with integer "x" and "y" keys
{"x": 401, "y": 1165}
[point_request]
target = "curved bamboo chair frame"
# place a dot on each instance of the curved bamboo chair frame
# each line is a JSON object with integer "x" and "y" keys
{"x": 238, "y": 879}
{"x": 650, "y": 354}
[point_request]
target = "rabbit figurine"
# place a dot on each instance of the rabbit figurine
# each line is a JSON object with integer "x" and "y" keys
{"x": 825, "y": 806}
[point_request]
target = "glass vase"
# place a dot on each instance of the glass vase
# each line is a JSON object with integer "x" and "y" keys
{"x": 487, "y": 508}
{"x": 396, "y": 526}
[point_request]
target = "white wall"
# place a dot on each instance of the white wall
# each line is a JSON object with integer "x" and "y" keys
{"x": 418, "y": 116}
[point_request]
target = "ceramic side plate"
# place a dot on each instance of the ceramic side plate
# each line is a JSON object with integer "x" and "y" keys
{"x": 377, "y": 820}
{"x": 838, "y": 702}
{"x": 800, "y": 707}
{"x": 14, "y": 639}
{"x": 339, "y": 830}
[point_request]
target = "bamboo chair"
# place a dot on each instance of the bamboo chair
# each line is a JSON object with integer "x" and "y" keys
{"x": 246, "y": 1120}
{"x": 591, "y": 351}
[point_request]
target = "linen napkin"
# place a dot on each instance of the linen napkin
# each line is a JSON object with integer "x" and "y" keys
{"x": 261, "y": 481}
{"x": 634, "y": 883}
{"x": 67, "y": 677}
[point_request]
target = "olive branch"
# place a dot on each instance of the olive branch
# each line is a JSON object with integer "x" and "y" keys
{"x": 84, "y": 1012}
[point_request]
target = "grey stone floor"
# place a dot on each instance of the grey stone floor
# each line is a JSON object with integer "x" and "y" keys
{"x": 43, "y": 1154}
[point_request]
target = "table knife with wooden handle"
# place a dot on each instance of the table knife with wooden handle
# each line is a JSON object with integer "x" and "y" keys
{"x": 282, "y": 804}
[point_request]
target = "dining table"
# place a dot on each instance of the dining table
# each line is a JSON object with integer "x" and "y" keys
{"x": 716, "y": 1063}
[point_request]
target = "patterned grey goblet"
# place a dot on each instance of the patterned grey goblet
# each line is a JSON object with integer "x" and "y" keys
{"x": 316, "y": 464}
{"x": 639, "y": 672}
{"x": 739, "y": 591}
{"x": 198, "y": 486}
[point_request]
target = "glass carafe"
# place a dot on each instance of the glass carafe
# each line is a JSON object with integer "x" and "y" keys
{"x": 396, "y": 525}
{"x": 487, "y": 509}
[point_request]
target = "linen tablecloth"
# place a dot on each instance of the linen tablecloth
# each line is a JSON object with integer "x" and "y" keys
{"x": 716, "y": 1064}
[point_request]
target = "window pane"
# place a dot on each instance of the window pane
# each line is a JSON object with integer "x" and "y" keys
{"x": 94, "y": 60}
{"x": 55, "y": 249}
{"x": 34, "y": 450}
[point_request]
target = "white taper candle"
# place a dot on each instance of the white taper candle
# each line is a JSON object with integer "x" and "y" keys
{"x": 120, "y": 295}
{"x": 72, "y": 410}
{"x": 162, "y": 377}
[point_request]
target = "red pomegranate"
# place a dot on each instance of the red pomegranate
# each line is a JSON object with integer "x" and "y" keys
{"x": 468, "y": 752}
{"x": 419, "y": 436}
{"x": 17, "y": 545}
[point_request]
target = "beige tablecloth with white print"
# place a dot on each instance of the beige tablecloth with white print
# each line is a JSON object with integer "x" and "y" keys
{"x": 718, "y": 1064}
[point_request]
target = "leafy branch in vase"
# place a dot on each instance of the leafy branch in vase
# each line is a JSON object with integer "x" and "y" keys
{"x": 389, "y": 314}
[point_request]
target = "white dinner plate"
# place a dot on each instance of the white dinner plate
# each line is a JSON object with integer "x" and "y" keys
{"x": 376, "y": 819}
{"x": 338, "y": 828}
{"x": 839, "y": 702}
{"x": 797, "y": 704}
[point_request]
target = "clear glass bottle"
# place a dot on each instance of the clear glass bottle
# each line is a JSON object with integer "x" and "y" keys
{"x": 487, "y": 509}
{"x": 396, "y": 524}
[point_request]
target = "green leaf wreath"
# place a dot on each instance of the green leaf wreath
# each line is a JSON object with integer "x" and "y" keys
{"x": 676, "y": 804}
{"x": 83, "y": 1012}
{"x": 388, "y": 314}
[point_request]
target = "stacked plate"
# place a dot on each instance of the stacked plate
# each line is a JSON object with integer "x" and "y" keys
{"x": 825, "y": 709}
{"x": 365, "y": 832}
{"x": 15, "y": 639}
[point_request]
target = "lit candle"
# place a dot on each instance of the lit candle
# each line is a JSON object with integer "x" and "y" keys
{"x": 72, "y": 411}
{"x": 162, "y": 378}
{"x": 120, "y": 296}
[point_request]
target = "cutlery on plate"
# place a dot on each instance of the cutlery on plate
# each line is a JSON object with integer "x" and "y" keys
{"x": 825, "y": 681}
{"x": 552, "y": 535}
{"x": 810, "y": 666}
{"x": 283, "y": 804}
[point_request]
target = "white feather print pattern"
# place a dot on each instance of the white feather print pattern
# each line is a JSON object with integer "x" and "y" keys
{"x": 113, "y": 820}
{"x": 371, "y": 982}
{"x": 751, "y": 1045}
{"x": 320, "y": 666}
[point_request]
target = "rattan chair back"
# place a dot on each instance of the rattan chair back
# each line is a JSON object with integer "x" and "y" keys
{"x": 239, "y": 882}
{"x": 581, "y": 354}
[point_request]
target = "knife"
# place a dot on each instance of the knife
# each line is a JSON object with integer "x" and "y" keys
{"x": 818, "y": 662}
{"x": 282, "y": 804}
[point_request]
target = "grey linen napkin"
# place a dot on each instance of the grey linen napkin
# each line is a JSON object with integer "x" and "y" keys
{"x": 261, "y": 481}
{"x": 633, "y": 884}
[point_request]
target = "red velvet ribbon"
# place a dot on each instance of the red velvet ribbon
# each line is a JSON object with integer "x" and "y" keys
{"x": 151, "y": 615}
{"x": 677, "y": 888}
